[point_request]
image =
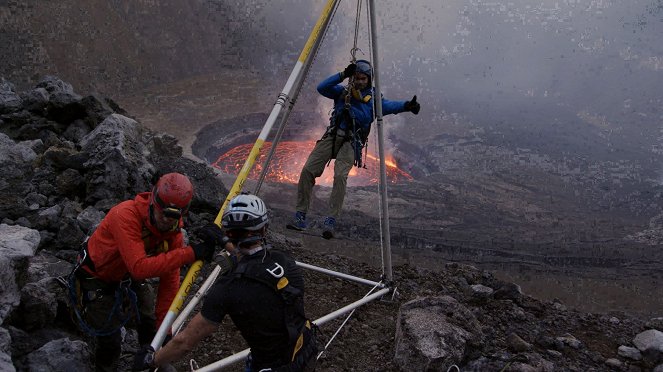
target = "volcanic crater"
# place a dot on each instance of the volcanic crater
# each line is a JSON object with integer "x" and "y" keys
{"x": 226, "y": 144}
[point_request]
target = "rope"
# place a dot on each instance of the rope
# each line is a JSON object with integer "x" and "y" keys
{"x": 343, "y": 324}
{"x": 284, "y": 120}
{"x": 354, "y": 49}
{"x": 375, "y": 135}
{"x": 120, "y": 292}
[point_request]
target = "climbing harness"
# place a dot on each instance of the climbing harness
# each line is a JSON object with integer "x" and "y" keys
{"x": 358, "y": 137}
{"x": 79, "y": 298}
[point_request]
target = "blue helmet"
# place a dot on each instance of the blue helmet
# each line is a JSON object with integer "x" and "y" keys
{"x": 365, "y": 68}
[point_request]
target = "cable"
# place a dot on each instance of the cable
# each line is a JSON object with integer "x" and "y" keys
{"x": 344, "y": 322}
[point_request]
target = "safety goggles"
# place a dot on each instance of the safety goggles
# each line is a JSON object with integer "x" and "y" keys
{"x": 169, "y": 211}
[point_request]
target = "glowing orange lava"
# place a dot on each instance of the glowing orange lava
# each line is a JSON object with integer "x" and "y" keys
{"x": 289, "y": 159}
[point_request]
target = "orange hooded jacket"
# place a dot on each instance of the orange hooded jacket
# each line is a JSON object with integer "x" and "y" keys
{"x": 126, "y": 244}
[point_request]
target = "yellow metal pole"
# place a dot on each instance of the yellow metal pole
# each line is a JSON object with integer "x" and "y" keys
{"x": 283, "y": 97}
{"x": 298, "y": 70}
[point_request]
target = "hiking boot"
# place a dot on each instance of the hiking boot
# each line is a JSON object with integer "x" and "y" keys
{"x": 299, "y": 222}
{"x": 328, "y": 227}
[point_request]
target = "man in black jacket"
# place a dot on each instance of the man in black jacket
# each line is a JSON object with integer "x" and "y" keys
{"x": 263, "y": 294}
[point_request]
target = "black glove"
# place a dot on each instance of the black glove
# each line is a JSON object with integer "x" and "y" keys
{"x": 225, "y": 260}
{"x": 212, "y": 234}
{"x": 349, "y": 71}
{"x": 144, "y": 359}
{"x": 413, "y": 106}
{"x": 204, "y": 251}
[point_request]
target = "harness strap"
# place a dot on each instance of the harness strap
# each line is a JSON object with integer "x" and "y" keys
{"x": 271, "y": 272}
{"x": 78, "y": 299}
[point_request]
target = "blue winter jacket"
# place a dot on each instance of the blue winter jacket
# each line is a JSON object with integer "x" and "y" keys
{"x": 363, "y": 112}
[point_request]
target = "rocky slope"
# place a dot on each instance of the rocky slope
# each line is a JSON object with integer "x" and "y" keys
{"x": 67, "y": 159}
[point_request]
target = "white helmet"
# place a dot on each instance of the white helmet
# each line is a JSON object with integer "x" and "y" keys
{"x": 245, "y": 212}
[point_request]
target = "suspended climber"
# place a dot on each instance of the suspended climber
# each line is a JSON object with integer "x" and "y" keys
{"x": 344, "y": 140}
{"x": 138, "y": 239}
{"x": 262, "y": 294}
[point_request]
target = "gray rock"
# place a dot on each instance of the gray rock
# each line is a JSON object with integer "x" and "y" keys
{"x": 70, "y": 183}
{"x": 570, "y": 341}
{"x": 558, "y": 306}
{"x": 659, "y": 368}
{"x": 38, "y": 306}
{"x": 655, "y": 323}
{"x": 629, "y": 353}
{"x": 509, "y": 291}
{"x": 517, "y": 344}
{"x": 10, "y": 101}
{"x": 433, "y": 332}
{"x": 5, "y": 341}
{"x": 61, "y": 355}
{"x": 76, "y": 131}
{"x": 17, "y": 241}
{"x": 49, "y": 218}
{"x": 6, "y": 364}
{"x": 36, "y": 198}
{"x": 16, "y": 169}
{"x": 35, "y": 100}
{"x": 53, "y": 85}
{"x": 89, "y": 218}
{"x": 62, "y": 157}
{"x": 45, "y": 266}
{"x": 116, "y": 165}
{"x": 614, "y": 363}
{"x": 23, "y": 221}
{"x": 16, "y": 245}
{"x": 70, "y": 235}
{"x": 649, "y": 339}
{"x": 554, "y": 353}
{"x": 479, "y": 291}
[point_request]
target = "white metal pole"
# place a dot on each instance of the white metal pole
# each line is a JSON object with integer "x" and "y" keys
{"x": 312, "y": 44}
{"x": 386, "y": 241}
{"x": 179, "y": 321}
{"x": 340, "y": 275}
{"x": 320, "y": 321}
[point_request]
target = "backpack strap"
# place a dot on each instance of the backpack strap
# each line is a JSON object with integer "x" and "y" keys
{"x": 271, "y": 272}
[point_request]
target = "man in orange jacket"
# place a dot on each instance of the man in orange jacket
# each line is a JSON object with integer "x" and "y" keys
{"x": 138, "y": 239}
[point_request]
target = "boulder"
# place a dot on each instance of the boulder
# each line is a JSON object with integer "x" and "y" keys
{"x": 655, "y": 323}
{"x": 9, "y": 100}
{"x": 649, "y": 339}
{"x": 38, "y": 306}
{"x": 89, "y": 218}
{"x": 64, "y": 105}
{"x": 35, "y": 100}
{"x": 629, "y": 352}
{"x": 17, "y": 244}
{"x": 650, "y": 344}
{"x": 5, "y": 351}
{"x": 116, "y": 165}
{"x": 433, "y": 333}
{"x": 16, "y": 168}
{"x": 61, "y": 355}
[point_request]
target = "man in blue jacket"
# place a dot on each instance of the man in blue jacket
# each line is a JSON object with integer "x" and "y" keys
{"x": 344, "y": 139}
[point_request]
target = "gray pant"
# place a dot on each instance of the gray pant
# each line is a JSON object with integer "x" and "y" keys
{"x": 315, "y": 165}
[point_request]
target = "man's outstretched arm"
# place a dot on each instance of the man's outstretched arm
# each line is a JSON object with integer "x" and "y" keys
{"x": 185, "y": 341}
